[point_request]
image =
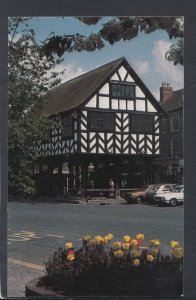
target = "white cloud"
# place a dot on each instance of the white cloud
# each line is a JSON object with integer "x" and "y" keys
{"x": 164, "y": 69}
{"x": 142, "y": 67}
{"x": 71, "y": 71}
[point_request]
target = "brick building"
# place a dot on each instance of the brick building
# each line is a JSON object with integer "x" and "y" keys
{"x": 171, "y": 135}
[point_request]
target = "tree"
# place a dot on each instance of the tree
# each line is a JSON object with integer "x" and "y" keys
{"x": 29, "y": 78}
{"x": 118, "y": 28}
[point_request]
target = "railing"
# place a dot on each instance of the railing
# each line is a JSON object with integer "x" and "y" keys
{"x": 108, "y": 193}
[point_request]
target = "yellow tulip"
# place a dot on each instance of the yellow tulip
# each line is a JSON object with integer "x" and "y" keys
{"x": 136, "y": 262}
{"x": 126, "y": 238}
{"x": 105, "y": 239}
{"x": 116, "y": 245}
{"x": 98, "y": 239}
{"x": 150, "y": 258}
{"x": 70, "y": 257}
{"x": 126, "y": 246}
{"x": 140, "y": 236}
{"x": 86, "y": 237}
{"x": 134, "y": 243}
{"x": 69, "y": 245}
{"x": 178, "y": 252}
{"x": 155, "y": 242}
{"x": 174, "y": 244}
{"x": 118, "y": 253}
{"x": 110, "y": 236}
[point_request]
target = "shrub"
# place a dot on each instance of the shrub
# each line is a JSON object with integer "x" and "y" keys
{"x": 102, "y": 267}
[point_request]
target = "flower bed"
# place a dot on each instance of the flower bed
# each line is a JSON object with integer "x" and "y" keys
{"x": 103, "y": 267}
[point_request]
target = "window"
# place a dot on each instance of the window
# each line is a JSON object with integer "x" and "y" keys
{"x": 101, "y": 121}
{"x": 164, "y": 125}
{"x": 174, "y": 123}
{"x": 122, "y": 90}
{"x": 175, "y": 148}
{"x": 67, "y": 128}
{"x": 141, "y": 124}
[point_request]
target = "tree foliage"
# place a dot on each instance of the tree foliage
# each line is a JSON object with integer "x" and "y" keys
{"x": 29, "y": 78}
{"x": 118, "y": 28}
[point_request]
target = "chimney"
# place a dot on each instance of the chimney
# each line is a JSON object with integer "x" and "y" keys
{"x": 165, "y": 91}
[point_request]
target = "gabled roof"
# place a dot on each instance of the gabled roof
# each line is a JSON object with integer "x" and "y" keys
{"x": 173, "y": 102}
{"x": 74, "y": 92}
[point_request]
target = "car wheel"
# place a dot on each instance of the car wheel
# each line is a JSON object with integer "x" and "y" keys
{"x": 139, "y": 200}
{"x": 173, "y": 202}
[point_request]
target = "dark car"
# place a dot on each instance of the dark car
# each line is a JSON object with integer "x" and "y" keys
{"x": 139, "y": 195}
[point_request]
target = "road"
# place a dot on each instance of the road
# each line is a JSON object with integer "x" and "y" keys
{"x": 35, "y": 231}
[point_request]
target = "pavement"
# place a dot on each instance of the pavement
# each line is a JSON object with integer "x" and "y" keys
{"x": 17, "y": 277}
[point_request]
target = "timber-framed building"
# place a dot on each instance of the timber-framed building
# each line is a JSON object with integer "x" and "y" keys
{"x": 107, "y": 127}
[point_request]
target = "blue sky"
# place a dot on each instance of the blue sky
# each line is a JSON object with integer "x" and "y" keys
{"x": 145, "y": 53}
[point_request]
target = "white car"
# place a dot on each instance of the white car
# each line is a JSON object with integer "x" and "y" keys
{"x": 172, "y": 198}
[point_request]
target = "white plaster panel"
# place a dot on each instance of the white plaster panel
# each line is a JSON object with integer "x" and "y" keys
{"x": 133, "y": 151}
{"x": 141, "y": 136}
{"x": 84, "y": 134}
{"x": 139, "y": 92}
{"x": 115, "y": 77}
{"x": 148, "y": 151}
{"x": 155, "y": 118}
{"x": 125, "y": 116}
{"x": 92, "y": 102}
{"x": 122, "y": 72}
{"x": 130, "y": 105}
{"x": 114, "y": 104}
{"x": 92, "y": 143}
{"x": 101, "y": 143}
{"x": 156, "y": 138}
{"x": 157, "y": 130}
{"x": 142, "y": 144}
{"x": 109, "y": 144}
{"x": 84, "y": 113}
{"x": 92, "y": 134}
{"x": 117, "y": 129}
{"x": 149, "y": 144}
{"x": 118, "y": 143}
{"x": 157, "y": 151}
{"x": 126, "y": 143}
{"x": 140, "y": 105}
{"x": 117, "y": 151}
{"x": 93, "y": 150}
{"x": 133, "y": 136}
{"x": 122, "y": 104}
{"x": 109, "y": 135}
{"x": 129, "y": 78}
{"x": 118, "y": 122}
{"x": 82, "y": 127}
{"x": 150, "y": 107}
{"x": 103, "y": 102}
{"x": 101, "y": 134}
{"x": 126, "y": 151}
{"x": 125, "y": 137}
{"x": 104, "y": 89}
{"x": 100, "y": 150}
{"x": 150, "y": 137}
{"x": 75, "y": 125}
{"x": 83, "y": 150}
{"x": 75, "y": 136}
{"x": 119, "y": 115}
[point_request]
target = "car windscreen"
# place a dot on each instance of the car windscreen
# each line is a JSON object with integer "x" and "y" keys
{"x": 178, "y": 189}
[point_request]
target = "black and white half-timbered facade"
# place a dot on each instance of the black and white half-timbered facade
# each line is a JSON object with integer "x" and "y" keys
{"x": 106, "y": 127}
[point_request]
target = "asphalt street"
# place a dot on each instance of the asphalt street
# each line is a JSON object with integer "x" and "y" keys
{"x": 35, "y": 231}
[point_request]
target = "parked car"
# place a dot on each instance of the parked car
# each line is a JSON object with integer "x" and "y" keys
{"x": 139, "y": 195}
{"x": 172, "y": 198}
{"x": 159, "y": 189}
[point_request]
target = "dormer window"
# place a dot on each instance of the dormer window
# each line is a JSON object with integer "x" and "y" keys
{"x": 121, "y": 90}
